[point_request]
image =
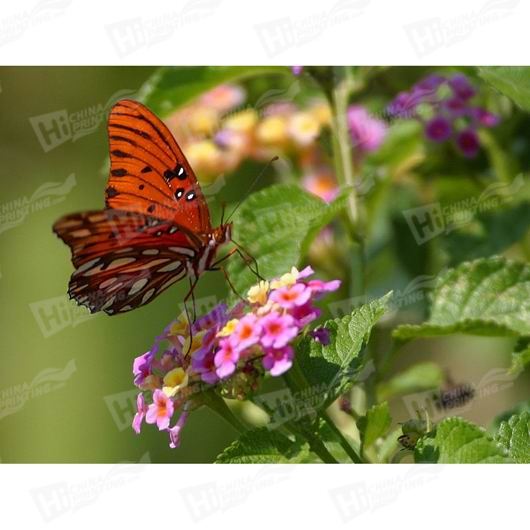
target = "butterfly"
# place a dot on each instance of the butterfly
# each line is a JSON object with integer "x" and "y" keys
{"x": 155, "y": 229}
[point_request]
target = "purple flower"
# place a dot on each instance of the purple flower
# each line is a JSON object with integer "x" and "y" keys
{"x": 226, "y": 358}
{"x": 142, "y": 365}
{"x": 160, "y": 411}
{"x": 462, "y": 87}
{"x": 321, "y": 335}
{"x": 203, "y": 363}
{"x": 141, "y": 409}
{"x": 485, "y": 118}
{"x": 468, "y": 143}
{"x": 174, "y": 432}
{"x": 278, "y": 361}
{"x": 297, "y": 70}
{"x": 438, "y": 129}
{"x": 403, "y": 105}
{"x": 367, "y": 133}
{"x": 431, "y": 82}
{"x": 278, "y": 329}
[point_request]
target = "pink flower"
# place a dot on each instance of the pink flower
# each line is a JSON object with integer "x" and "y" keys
{"x": 278, "y": 361}
{"x": 305, "y": 314}
{"x": 278, "y": 329}
{"x": 367, "y": 133}
{"x": 226, "y": 358}
{"x": 160, "y": 411}
{"x": 291, "y": 295}
{"x": 247, "y": 332}
{"x": 318, "y": 286}
{"x": 141, "y": 409}
{"x": 174, "y": 432}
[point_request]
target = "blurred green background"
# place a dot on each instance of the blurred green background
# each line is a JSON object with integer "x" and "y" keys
{"x": 79, "y": 407}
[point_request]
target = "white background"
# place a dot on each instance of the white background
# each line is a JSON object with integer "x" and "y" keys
{"x": 272, "y": 32}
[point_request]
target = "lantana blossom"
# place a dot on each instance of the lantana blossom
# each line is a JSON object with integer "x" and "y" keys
{"x": 228, "y": 350}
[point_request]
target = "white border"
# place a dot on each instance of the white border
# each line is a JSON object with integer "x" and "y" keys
{"x": 192, "y": 32}
{"x": 259, "y": 496}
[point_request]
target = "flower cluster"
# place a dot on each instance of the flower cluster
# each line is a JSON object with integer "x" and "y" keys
{"x": 444, "y": 106}
{"x": 228, "y": 349}
{"x": 217, "y": 132}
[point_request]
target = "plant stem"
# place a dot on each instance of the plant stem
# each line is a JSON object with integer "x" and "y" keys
{"x": 342, "y": 440}
{"x": 215, "y": 402}
{"x": 315, "y": 443}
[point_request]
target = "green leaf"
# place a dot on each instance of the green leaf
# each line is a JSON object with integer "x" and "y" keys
{"x": 523, "y": 406}
{"x": 488, "y": 297}
{"x": 374, "y": 424}
{"x": 514, "y": 436}
{"x": 456, "y": 441}
{"x": 275, "y": 226}
{"x": 420, "y": 377}
{"x": 171, "y": 87}
{"x": 260, "y": 446}
{"x": 512, "y": 81}
{"x": 520, "y": 360}
{"x": 489, "y": 233}
{"x": 332, "y": 369}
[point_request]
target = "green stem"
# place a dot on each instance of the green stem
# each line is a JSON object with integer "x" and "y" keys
{"x": 342, "y": 440}
{"x": 315, "y": 444}
{"x": 215, "y": 402}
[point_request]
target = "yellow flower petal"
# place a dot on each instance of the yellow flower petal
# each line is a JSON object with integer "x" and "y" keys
{"x": 289, "y": 278}
{"x": 257, "y": 294}
{"x": 243, "y": 121}
{"x": 229, "y": 328}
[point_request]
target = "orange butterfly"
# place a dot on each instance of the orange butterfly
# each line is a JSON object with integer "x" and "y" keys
{"x": 156, "y": 227}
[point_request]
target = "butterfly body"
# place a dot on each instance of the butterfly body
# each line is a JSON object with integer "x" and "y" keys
{"x": 156, "y": 227}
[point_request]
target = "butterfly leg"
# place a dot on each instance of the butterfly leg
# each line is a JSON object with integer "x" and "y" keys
{"x": 191, "y": 321}
{"x": 231, "y": 284}
{"x": 245, "y": 256}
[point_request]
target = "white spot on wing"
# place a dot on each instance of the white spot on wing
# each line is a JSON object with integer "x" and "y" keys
{"x": 148, "y": 295}
{"x": 87, "y": 265}
{"x": 120, "y": 262}
{"x": 183, "y": 250}
{"x": 137, "y": 286}
{"x": 171, "y": 266}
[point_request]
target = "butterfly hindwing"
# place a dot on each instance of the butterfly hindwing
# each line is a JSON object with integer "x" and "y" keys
{"x": 124, "y": 260}
{"x": 149, "y": 174}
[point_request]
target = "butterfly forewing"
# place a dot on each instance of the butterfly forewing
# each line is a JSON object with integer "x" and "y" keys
{"x": 149, "y": 174}
{"x": 124, "y": 260}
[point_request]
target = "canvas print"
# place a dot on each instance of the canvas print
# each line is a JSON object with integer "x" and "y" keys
{"x": 305, "y": 264}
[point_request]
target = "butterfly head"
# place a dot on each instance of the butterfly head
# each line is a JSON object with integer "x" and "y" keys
{"x": 220, "y": 235}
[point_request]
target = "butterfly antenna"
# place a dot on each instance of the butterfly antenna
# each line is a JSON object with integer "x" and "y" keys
{"x": 252, "y": 186}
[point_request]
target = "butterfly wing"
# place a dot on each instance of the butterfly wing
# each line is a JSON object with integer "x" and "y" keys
{"x": 124, "y": 260}
{"x": 149, "y": 174}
